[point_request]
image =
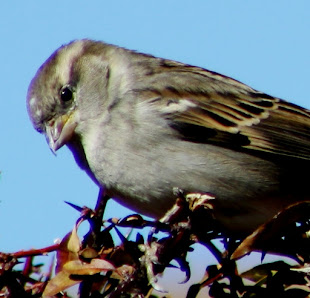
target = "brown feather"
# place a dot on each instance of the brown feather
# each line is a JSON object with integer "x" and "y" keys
{"x": 233, "y": 114}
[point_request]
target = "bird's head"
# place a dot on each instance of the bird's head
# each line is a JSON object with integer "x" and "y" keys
{"x": 63, "y": 86}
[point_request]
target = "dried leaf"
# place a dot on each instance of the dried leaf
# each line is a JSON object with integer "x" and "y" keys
{"x": 88, "y": 253}
{"x": 64, "y": 255}
{"x": 68, "y": 248}
{"x": 74, "y": 243}
{"x": 78, "y": 267}
{"x": 299, "y": 287}
{"x": 304, "y": 269}
{"x": 260, "y": 239}
{"x": 59, "y": 282}
{"x": 259, "y": 273}
{"x": 132, "y": 221}
{"x": 64, "y": 279}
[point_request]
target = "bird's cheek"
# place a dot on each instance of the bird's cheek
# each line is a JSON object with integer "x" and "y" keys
{"x": 59, "y": 131}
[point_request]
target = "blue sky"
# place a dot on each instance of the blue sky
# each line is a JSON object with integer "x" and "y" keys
{"x": 265, "y": 44}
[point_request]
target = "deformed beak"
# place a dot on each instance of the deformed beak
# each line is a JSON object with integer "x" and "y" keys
{"x": 59, "y": 131}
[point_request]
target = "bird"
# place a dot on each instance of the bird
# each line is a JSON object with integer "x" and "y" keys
{"x": 141, "y": 126}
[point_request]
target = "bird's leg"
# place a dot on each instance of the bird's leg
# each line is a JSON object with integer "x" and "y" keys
{"x": 95, "y": 221}
{"x": 93, "y": 239}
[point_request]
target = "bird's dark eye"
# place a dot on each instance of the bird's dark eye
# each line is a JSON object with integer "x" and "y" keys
{"x": 66, "y": 94}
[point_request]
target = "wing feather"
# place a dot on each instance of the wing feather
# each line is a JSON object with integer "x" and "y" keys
{"x": 203, "y": 105}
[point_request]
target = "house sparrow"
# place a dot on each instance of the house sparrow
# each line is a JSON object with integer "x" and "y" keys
{"x": 141, "y": 126}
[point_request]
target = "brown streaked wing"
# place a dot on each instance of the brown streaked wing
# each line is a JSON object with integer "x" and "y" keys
{"x": 223, "y": 111}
